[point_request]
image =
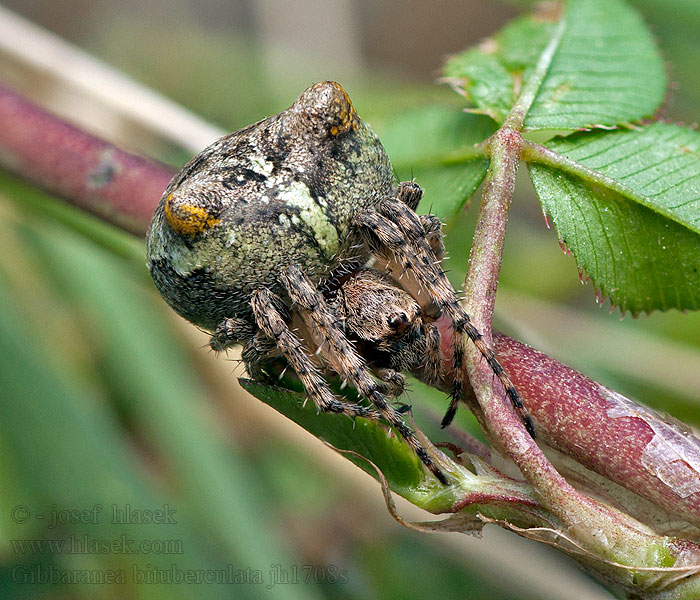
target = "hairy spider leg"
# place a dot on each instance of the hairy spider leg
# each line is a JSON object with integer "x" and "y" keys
{"x": 433, "y": 360}
{"x": 433, "y": 235}
{"x": 396, "y": 232}
{"x": 273, "y": 325}
{"x": 341, "y": 355}
{"x": 256, "y": 345}
{"x": 393, "y": 382}
{"x": 410, "y": 194}
{"x": 230, "y": 332}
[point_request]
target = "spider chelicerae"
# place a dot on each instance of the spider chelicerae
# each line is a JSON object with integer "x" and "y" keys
{"x": 265, "y": 239}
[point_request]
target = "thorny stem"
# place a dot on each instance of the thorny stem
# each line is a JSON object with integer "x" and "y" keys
{"x": 480, "y": 286}
{"x": 632, "y": 445}
{"x": 602, "y": 531}
{"x": 487, "y": 248}
{"x": 505, "y": 148}
{"x": 579, "y": 513}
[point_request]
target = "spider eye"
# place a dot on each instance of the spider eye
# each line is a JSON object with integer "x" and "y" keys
{"x": 398, "y": 322}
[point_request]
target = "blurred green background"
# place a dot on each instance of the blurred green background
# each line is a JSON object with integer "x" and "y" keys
{"x": 109, "y": 400}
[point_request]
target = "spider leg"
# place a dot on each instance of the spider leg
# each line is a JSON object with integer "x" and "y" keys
{"x": 342, "y": 356}
{"x": 410, "y": 193}
{"x": 231, "y": 332}
{"x": 256, "y": 345}
{"x": 256, "y": 351}
{"x": 396, "y": 232}
{"x": 433, "y": 235}
{"x": 433, "y": 361}
{"x": 394, "y": 383}
{"x": 273, "y": 325}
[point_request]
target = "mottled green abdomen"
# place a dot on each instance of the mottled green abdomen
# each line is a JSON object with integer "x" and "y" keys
{"x": 283, "y": 190}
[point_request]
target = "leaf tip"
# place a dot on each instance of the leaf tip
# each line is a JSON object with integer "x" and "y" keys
{"x": 458, "y": 84}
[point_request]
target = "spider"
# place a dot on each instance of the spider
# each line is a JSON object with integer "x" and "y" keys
{"x": 254, "y": 232}
{"x": 393, "y": 334}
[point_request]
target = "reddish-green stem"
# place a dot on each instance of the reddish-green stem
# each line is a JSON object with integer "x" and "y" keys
{"x": 605, "y": 431}
{"x": 117, "y": 186}
{"x": 485, "y": 258}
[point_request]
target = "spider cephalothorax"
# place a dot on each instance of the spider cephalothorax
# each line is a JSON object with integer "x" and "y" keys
{"x": 253, "y": 231}
{"x": 388, "y": 327}
{"x": 393, "y": 334}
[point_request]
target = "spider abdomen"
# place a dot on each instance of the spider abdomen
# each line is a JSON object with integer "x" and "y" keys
{"x": 282, "y": 191}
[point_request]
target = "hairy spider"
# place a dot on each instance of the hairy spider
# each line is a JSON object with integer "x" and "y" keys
{"x": 252, "y": 232}
{"x": 392, "y": 333}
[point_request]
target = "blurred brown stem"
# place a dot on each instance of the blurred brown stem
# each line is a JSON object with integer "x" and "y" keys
{"x": 119, "y": 187}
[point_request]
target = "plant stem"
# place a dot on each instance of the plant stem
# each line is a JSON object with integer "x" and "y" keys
{"x": 605, "y": 532}
{"x": 605, "y": 431}
{"x": 121, "y": 188}
{"x": 481, "y": 280}
{"x": 599, "y": 428}
{"x": 480, "y": 286}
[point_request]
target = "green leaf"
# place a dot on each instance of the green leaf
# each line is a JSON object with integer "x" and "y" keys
{"x": 627, "y": 204}
{"x": 606, "y": 70}
{"x": 659, "y": 166}
{"x": 489, "y": 75}
{"x": 394, "y": 458}
{"x": 484, "y": 80}
{"x": 598, "y": 68}
{"x": 521, "y": 41}
{"x": 435, "y": 145}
